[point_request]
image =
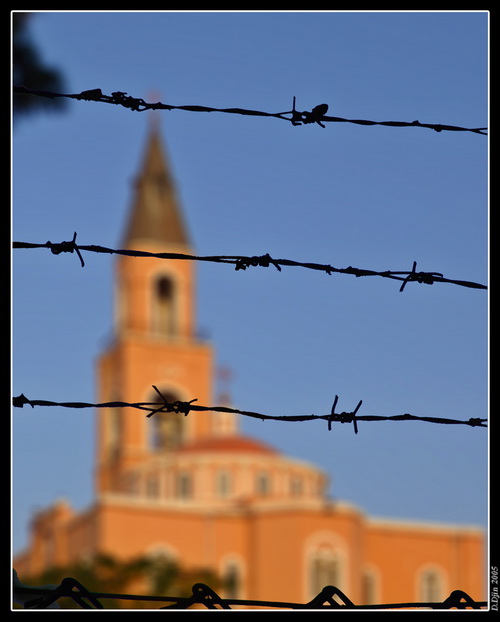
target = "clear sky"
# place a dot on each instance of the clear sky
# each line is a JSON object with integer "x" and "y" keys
{"x": 347, "y": 195}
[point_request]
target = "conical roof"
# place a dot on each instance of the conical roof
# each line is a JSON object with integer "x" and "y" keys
{"x": 155, "y": 214}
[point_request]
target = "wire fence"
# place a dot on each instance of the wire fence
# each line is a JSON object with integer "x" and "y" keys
{"x": 330, "y": 597}
{"x": 185, "y": 408}
{"x": 242, "y": 262}
{"x": 202, "y": 595}
{"x": 316, "y": 115}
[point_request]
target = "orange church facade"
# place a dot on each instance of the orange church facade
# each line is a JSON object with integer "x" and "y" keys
{"x": 195, "y": 489}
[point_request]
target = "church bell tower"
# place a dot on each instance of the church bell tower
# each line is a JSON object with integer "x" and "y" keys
{"x": 155, "y": 339}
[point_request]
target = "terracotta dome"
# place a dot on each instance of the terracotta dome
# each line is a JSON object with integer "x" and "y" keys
{"x": 229, "y": 443}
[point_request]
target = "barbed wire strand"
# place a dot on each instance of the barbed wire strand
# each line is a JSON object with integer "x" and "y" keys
{"x": 163, "y": 406}
{"x": 242, "y": 262}
{"x": 202, "y": 594}
{"x": 316, "y": 115}
{"x": 330, "y": 597}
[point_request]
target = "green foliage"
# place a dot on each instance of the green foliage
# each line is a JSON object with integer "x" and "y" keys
{"x": 151, "y": 576}
{"x": 29, "y": 70}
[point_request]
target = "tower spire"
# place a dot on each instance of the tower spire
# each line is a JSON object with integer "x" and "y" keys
{"x": 155, "y": 216}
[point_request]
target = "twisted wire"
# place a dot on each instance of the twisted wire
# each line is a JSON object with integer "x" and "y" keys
{"x": 316, "y": 115}
{"x": 242, "y": 262}
{"x": 185, "y": 407}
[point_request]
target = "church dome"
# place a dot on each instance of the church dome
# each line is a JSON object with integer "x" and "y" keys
{"x": 240, "y": 444}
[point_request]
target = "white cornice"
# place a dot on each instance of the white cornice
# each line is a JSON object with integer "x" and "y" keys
{"x": 412, "y": 524}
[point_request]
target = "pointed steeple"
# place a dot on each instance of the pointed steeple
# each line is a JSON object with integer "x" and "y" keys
{"x": 156, "y": 215}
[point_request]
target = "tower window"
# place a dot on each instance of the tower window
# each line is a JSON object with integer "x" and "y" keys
{"x": 114, "y": 431}
{"x": 163, "y": 311}
{"x": 167, "y": 428}
{"x": 164, "y": 287}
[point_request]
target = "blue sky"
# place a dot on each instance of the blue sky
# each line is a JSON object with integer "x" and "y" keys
{"x": 347, "y": 195}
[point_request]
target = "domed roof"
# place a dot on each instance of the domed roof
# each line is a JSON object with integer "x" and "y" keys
{"x": 240, "y": 444}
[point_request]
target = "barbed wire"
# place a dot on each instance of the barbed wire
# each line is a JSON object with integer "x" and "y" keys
{"x": 183, "y": 407}
{"x": 316, "y": 115}
{"x": 330, "y": 597}
{"x": 242, "y": 262}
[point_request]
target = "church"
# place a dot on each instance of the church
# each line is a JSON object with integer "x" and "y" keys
{"x": 198, "y": 491}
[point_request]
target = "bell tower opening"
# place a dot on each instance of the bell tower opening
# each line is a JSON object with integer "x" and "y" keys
{"x": 167, "y": 428}
{"x": 163, "y": 307}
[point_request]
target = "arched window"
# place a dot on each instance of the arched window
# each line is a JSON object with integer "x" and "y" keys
{"x": 324, "y": 569}
{"x": 114, "y": 431}
{"x": 184, "y": 486}
{"x": 296, "y": 486}
{"x": 131, "y": 483}
{"x": 163, "y": 307}
{"x": 223, "y": 484}
{"x": 431, "y": 586}
{"x": 369, "y": 587}
{"x": 152, "y": 486}
{"x": 48, "y": 549}
{"x": 232, "y": 580}
{"x": 161, "y": 569}
{"x": 263, "y": 484}
{"x": 166, "y": 428}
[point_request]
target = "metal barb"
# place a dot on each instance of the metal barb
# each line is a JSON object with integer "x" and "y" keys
{"x": 66, "y": 247}
{"x": 298, "y": 118}
{"x": 243, "y": 262}
{"x": 176, "y": 407}
{"x": 420, "y": 277}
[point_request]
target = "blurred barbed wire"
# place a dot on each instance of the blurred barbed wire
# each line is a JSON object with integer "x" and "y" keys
{"x": 330, "y": 597}
{"x": 185, "y": 407}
